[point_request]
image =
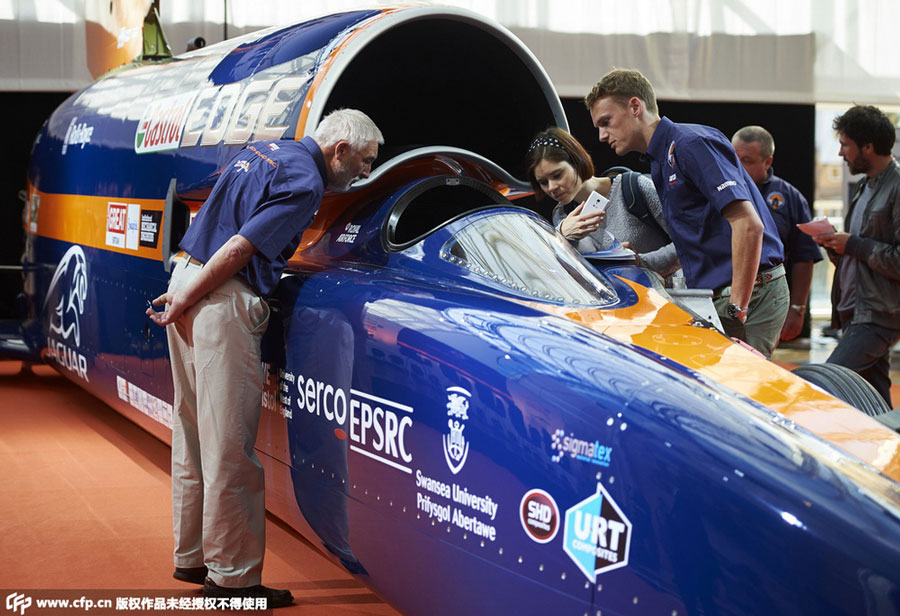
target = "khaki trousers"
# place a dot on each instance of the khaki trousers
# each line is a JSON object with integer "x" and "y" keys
{"x": 218, "y": 484}
{"x": 767, "y": 310}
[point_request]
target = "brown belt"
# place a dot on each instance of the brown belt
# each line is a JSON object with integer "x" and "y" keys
{"x": 192, "y": 261}
{"x": 767, "y": 276}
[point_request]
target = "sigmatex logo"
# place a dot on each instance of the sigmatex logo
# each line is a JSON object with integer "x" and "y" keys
{"x": 577, "y": 448}
{"x": 123, "y": 225}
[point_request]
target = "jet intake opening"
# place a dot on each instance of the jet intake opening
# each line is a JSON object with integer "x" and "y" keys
{"x": 444, "y": 81}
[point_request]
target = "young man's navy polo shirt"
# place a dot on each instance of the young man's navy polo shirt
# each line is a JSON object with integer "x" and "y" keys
{"x": 788, "y": 207}
{"x": 697, "y": 173}
{"x": 268, "y": 193}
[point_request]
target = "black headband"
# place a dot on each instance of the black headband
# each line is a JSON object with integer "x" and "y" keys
{"x": 545, "y": 141}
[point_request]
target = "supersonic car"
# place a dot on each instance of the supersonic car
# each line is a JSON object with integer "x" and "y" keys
{"x": 459, "y": 408}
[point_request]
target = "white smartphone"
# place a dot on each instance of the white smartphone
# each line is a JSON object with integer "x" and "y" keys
{"x": 594, "y": 203}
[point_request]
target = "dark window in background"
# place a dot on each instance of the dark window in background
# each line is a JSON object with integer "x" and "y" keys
{"x": 25, "y": 113}
{"x": 792, "y": 126}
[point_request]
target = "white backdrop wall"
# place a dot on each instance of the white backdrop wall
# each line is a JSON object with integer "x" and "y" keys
{"x": 799, "y": 51}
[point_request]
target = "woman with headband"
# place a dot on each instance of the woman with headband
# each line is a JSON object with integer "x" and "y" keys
{"x": 558, "y": 166}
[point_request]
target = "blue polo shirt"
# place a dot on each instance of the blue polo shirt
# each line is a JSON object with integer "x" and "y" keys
{"x": 268, "y": 193}
{"x": 788, "y": 207}
{"x": 697, "y": 173}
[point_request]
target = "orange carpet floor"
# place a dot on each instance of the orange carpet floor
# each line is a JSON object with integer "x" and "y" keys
{"x": 86, "y": 506}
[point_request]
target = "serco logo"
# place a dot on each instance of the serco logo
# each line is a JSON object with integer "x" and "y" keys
{"x": 375, "y": 427}
{"x": 17, "y": 602}
{"x": 456, "y": 448}
{"x": 539, "y": 515}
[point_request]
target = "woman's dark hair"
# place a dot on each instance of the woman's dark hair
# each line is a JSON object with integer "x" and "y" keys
{"x": 867, "y": 124}
{"x": 556, "y": 145}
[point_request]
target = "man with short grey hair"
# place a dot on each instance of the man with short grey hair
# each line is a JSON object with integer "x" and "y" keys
{"x": 755, "y": 147}
{"x": 215, "y": 314}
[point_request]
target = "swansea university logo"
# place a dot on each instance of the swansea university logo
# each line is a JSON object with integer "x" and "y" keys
{"x": 456, "y": 447}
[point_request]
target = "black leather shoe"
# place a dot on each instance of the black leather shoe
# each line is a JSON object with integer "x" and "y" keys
{"x": 192, "y": 575}
{"x": 274, "y": 598}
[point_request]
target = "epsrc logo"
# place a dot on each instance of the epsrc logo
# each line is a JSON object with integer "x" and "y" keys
{"x": 539, "y": 515}
{"x": 376, "y": 427}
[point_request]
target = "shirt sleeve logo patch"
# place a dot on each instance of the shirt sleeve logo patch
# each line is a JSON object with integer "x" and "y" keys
{"x": 725, "y": 185}
{"x": 243, "y": 165}
{"x": 670, "y": 156}
{"x": 775, "y": 200}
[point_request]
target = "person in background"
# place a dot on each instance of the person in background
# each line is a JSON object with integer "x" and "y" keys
{"x": 215, "y": 314}
{"x": 725, "y": 237}
{"x": 559, "y": 167}
{"x": 866, "y": 288}
{"x": 755, "y": 148}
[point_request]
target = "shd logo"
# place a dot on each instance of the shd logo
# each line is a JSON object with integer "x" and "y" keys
{"x": 539, "y": 515}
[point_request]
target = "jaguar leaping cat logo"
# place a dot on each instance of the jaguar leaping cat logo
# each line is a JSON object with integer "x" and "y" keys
{"x": 71, "y": 275}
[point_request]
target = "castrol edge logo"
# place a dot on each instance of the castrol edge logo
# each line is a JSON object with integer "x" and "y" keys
{"x": 161, "y": 124}
{"x": 232, "y": 114}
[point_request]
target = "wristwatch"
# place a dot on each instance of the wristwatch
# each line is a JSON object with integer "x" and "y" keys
{"x": 736, "y": 312}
